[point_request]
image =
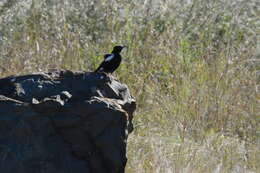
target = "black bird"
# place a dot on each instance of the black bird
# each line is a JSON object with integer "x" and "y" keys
{"x": 111, "y": 61}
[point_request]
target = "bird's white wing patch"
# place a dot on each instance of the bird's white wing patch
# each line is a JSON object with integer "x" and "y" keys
{"x": 109, "y": 58}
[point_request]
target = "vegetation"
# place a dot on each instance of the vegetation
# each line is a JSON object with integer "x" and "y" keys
{"x": 193, "y": 67}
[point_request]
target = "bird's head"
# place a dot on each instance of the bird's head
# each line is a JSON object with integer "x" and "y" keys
{"x": 118, "y": 49}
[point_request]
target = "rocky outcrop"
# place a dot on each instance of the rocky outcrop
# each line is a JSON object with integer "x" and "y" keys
{"x": 64, "y": 122}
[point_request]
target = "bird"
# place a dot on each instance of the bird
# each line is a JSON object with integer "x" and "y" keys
{"x": 111, "y": 61}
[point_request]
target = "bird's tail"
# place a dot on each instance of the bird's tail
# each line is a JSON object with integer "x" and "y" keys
{"x": 99, "y": 69}
{"x": 96, "y": 70}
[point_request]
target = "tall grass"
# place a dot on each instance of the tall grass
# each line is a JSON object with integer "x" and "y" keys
{"x": 193, "y": 67}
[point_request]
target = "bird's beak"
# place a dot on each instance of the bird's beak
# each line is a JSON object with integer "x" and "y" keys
{"x": 124, "y": 46}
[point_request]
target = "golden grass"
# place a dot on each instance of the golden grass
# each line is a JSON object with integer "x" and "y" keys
{"x": 193, "y": 67}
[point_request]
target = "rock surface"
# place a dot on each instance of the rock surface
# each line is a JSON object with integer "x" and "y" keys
{"x": 64, "y": 122}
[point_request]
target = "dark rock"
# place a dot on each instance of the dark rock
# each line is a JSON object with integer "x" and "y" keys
{"x": 64, "y": 122}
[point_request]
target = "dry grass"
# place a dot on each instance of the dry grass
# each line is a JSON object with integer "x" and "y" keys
{"x": 193, "y": 67}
